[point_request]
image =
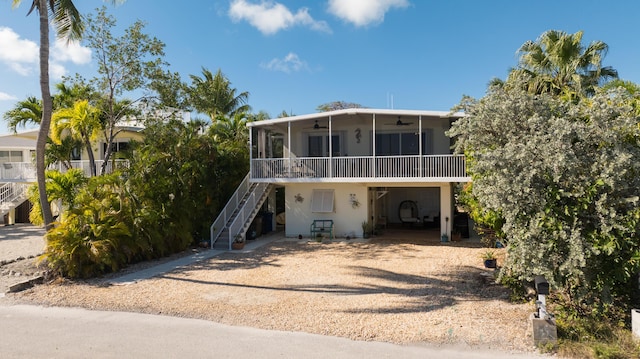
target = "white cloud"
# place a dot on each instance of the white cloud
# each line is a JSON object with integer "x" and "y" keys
{"x": 19, "y": 54}
{"x": 22, "y": 55}
{"x": 6, "y": 97}
{"x": 270, "y": 17}
{"x": 364, "y": 12}
{"x": 288, "y": 64}
{"x": 57, "y": 70}
{"x": 70, "y": 51}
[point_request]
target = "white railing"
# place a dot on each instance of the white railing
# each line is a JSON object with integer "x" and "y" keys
{"x": 10, "y": 192}
{"x": 225, "y": 215}
{"x": 86, "y": 167}
{"x": 431, "y": 166}
{"x": 18, "y": 171}
{"x": 248, "y": 207}
{"x": 26, "y": 171}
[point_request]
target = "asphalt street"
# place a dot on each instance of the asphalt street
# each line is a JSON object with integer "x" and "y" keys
{"x": 47, "y": 332}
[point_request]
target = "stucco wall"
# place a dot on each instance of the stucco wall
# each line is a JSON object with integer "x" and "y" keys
{"x": 347, "y": 219}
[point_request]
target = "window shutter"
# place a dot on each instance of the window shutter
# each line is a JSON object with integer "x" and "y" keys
{"x": 322, "y": 201}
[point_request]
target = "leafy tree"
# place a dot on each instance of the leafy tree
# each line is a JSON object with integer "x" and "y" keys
{"x": 566, "y": 180}
{"x": 213, "y": 95}
{"x": 173, "y": 177}
{"x": 337, "y": 105}
{"x": 285, "y": 114}
{"x": 171, "y": 91}
{"x": 74, "y": 89}
{"x": 558, "y": 63}
{"x": 125, "y": 64}
{"x": 631, "y": 88}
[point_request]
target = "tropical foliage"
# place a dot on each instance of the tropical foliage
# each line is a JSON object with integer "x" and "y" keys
{"x": 61, "y": 188}
{"x": 174, "y": 187}
{"x": 24, "y": 113}
{"x": 96, "y": 236}
{"x": 337, "y": 105}
{"x": 81, "y": 123}
{"x": 213, "y": 95}
{"x": 564, "y": 177}
{"x": 557, "y": 63}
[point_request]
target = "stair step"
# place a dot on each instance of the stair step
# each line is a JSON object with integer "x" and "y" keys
{"x": 262, "y": 191}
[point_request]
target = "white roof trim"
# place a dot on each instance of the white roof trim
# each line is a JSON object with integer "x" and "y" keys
{"x": 356, "y": 111}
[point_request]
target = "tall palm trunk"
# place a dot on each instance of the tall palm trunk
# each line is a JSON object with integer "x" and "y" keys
{"x": 92, "y": 160}
{"x": 47, "y": 105}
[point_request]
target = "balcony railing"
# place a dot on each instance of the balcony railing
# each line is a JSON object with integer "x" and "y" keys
{"x": 19, "y": 171}
{"x": 26, "y": 171}
{"x": 409, "y": 167}
{"x": 86, "y": 168}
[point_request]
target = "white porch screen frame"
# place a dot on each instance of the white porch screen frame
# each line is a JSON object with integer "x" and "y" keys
{"x": 322, "y": 201}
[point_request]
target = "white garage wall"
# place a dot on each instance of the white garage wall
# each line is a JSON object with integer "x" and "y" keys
{"x": 347, "y": 220}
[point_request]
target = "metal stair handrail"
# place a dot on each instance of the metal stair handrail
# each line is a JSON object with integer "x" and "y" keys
{"x": 12, "y": 191}
{"x": 225, "y": 215}
{"x": 256, "y": 198}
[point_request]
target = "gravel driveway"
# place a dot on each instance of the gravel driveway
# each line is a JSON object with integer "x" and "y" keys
{"x": 391, "y": 290}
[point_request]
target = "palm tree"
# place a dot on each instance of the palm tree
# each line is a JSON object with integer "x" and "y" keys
{"x": 558, "y": 63}
{"x": 214, "y": 96}
{"x": 68, "y": 25}
{"x": 61, "y": 153}
{"x": 24, "y": 112}
{"x": 83, "y": 123}
{"x": 231, "y": 131}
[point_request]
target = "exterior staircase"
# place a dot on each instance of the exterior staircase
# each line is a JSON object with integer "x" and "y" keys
{"x": 12, "y": 195}
{"x": 236, "y": 217}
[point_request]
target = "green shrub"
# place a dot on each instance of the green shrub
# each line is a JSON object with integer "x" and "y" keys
{"x": 95, "y": 236}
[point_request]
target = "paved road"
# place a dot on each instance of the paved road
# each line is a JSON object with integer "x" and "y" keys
{"x": 20, "y": 240}
{"x": 39, "y": 332}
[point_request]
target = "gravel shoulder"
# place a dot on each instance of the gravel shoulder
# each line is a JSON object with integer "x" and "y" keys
{"x": 389, "y": 290}
{"x": 20, "y": 245}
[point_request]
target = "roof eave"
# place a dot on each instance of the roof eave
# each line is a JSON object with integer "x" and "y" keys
{"x": 357, "y": 111}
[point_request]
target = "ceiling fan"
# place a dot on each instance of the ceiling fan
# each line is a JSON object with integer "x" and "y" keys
{"x": 317, "y": 126}
{"x": 399, "y": 123}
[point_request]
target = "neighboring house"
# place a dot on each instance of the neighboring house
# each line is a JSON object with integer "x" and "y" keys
{"x": 17, "y": 159}
{"x": 17, "y": 167}
{"x": 350, "y": 166}
{"x": 17, "y": 171}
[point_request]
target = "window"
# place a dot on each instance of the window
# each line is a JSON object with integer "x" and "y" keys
{"x": 403, "y": 143}
{"x": 11, "y": 156}
{"x": 277, "y": 146}
{"x": 322, "y": 201}
{"x": 319, "y": 145}
{"x": 115, "y": 147}
{"x": 76, "y": 154}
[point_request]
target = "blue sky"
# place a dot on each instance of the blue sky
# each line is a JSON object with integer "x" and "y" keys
{"x": 294, "y": 55}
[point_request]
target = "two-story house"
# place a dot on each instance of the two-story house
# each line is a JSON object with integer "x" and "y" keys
{"x": 351, "y": 166}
